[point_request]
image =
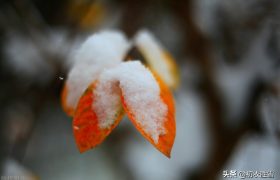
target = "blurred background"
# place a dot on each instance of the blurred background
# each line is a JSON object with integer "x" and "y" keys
{"x": 228, "y": 103}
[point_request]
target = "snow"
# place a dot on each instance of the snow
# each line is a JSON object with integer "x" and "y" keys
{"x": 103, "y": 49}
{"x": 154, "y": 53}
{"x": 141, "y": 94}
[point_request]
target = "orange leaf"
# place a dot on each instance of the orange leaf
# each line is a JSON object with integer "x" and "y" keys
{"x": 68, "y": 110}
{"x": 165, "y": 141}
{"x": 85, "y": 124}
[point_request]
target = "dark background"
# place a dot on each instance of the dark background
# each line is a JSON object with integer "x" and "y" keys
{"x": 228, "y": 103}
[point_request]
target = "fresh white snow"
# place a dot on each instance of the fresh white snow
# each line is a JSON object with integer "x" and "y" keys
{"x": 100, "y": 50}
{"x": 140, "y": 91}
{"x": 154, "y": 53}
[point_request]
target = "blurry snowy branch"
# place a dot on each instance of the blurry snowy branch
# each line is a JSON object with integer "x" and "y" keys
{"x": 199, "y": 48}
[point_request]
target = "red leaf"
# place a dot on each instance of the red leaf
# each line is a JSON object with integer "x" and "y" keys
{"x": 165, "y": 141}
{"x": 85, "y": 125}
